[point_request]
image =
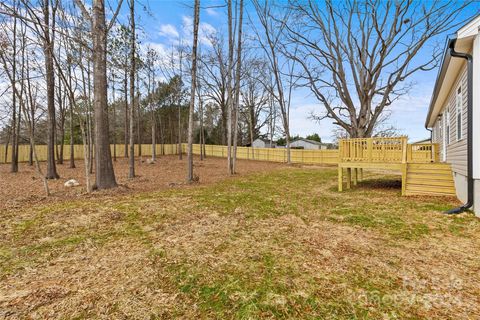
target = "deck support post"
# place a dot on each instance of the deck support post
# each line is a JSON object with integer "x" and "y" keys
{"x": 340, "y": 179}
{"x": 404, "y": 179}
{"x": 349, "y": 178}
{"x": 355, "y": 176}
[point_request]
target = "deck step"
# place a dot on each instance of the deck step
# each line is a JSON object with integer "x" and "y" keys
{"x": 430, "y": 179}
{"x": 430, "y": 182}
{"x": 415, "y": 175}
{"x": 434, "y": 171}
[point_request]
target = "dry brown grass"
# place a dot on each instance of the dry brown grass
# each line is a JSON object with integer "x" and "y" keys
{"x": 277, "y": 244}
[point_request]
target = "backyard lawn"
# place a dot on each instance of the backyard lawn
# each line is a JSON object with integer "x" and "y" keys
{"x": 270, "y": 244}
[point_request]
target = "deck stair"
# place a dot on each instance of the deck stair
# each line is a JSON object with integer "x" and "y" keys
{"x": 429, "y": 179}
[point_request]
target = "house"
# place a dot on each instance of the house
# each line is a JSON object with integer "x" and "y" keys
{"x": 454, "y": 112}
{"x": 301, "y": 143}
{"x": 263, "y": 143}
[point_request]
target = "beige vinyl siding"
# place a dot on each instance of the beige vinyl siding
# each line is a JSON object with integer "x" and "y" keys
{"x": 456, "y": 149}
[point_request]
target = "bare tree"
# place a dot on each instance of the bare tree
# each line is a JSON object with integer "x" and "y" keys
{"x": 104, "y": 174}
{"x": 213, "y": 79}
{"x": 237, "y": 89}
{"x": 150, "y": 62}
{"x": 271, "y": 41}
{"x": 255, "y": 97}
{"x": 196, "y": 20}
{"x": 356, "y": 56}
{"x": 179, "y": 108}
{"x": 9, "y": 52}
{"x": 72, "y": 141}
{"x": 23, "y": 99}
{"x": 48, "y": 49}
{"x": 15, "y": 125}
{"x": 229, "y": 88}
{"x": 44, "y": 27}
{"x": 131, "y": 162}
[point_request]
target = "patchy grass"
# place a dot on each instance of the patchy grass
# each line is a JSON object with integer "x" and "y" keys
{"x": 281, "y": 244}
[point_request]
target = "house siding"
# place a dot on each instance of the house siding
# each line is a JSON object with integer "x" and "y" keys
{"x": 456, "y": 149}
{"x": 306, "y": 145}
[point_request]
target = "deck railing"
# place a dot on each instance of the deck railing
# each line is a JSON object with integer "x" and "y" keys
{"x": 423, "y": 152}
{"x": 386, "y": 150}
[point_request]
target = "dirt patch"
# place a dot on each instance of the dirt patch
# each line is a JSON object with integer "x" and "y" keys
{"x": 25, "y": 188}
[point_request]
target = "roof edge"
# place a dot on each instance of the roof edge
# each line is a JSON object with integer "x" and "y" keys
{"x": 451, "y": 40}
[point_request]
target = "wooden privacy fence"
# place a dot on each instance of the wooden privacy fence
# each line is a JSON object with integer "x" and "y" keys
{"x": 24, "y": 151}
{"x": 272, "y": 154}
{"x": 262, "y": 154}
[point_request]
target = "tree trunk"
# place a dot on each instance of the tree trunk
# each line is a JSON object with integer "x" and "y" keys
{"x": 104, "y": 174}
{"x": 154, "y": 141}
{"x": 6, "y": 148}
{"x": 114, "y": 120}
{"x": 131, "y": 162}
{"x": 250, "y": 129}
{"x": 72, "y": 142}
{"x": 139, "y": 117}
{"x": 89, "y": 119}
{"x": 191, "y": 110}
{"x": 151, "y": 90}
{"x": 237, "y": 88}
{"x": 30, "y": 122}
{"x": 201, "y": 136}
{"x": 179, "y": 145}
{"x": 61, "y": 106}
{"x": 14, "y": 163}
{"x": 229, "y": 89}
{"x": 125, "y": 124}
{"x": 50, "y": 81}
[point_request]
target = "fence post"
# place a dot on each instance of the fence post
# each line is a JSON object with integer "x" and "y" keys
{"x": 340, "y": 150}
{"x": 369, "y": 149}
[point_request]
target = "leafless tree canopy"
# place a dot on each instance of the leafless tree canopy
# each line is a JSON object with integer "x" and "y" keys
{"x": 79, "y": 72}
{"x": 357, "y": 57}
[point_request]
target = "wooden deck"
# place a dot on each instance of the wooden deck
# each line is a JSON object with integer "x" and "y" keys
{"x": 418, "y": 164}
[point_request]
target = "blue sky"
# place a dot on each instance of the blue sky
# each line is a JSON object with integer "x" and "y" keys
{"x": 165, "y": 20}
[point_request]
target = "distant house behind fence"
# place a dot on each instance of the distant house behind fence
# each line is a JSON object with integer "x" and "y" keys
{"x": 302, "y": 143}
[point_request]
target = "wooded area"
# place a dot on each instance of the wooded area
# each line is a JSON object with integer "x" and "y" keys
{"x": 79, "y": 73}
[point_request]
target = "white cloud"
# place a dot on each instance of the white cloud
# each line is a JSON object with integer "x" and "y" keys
{"x": 407, "y": 114}
{"x": 301, "y": 124}
{"x": 211, "y": 12}
{"x": 158, "y": 47}
{"x": 410, "y": 111}
{"x": 204, "y": 30}
{"x": 169, "y": 31}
